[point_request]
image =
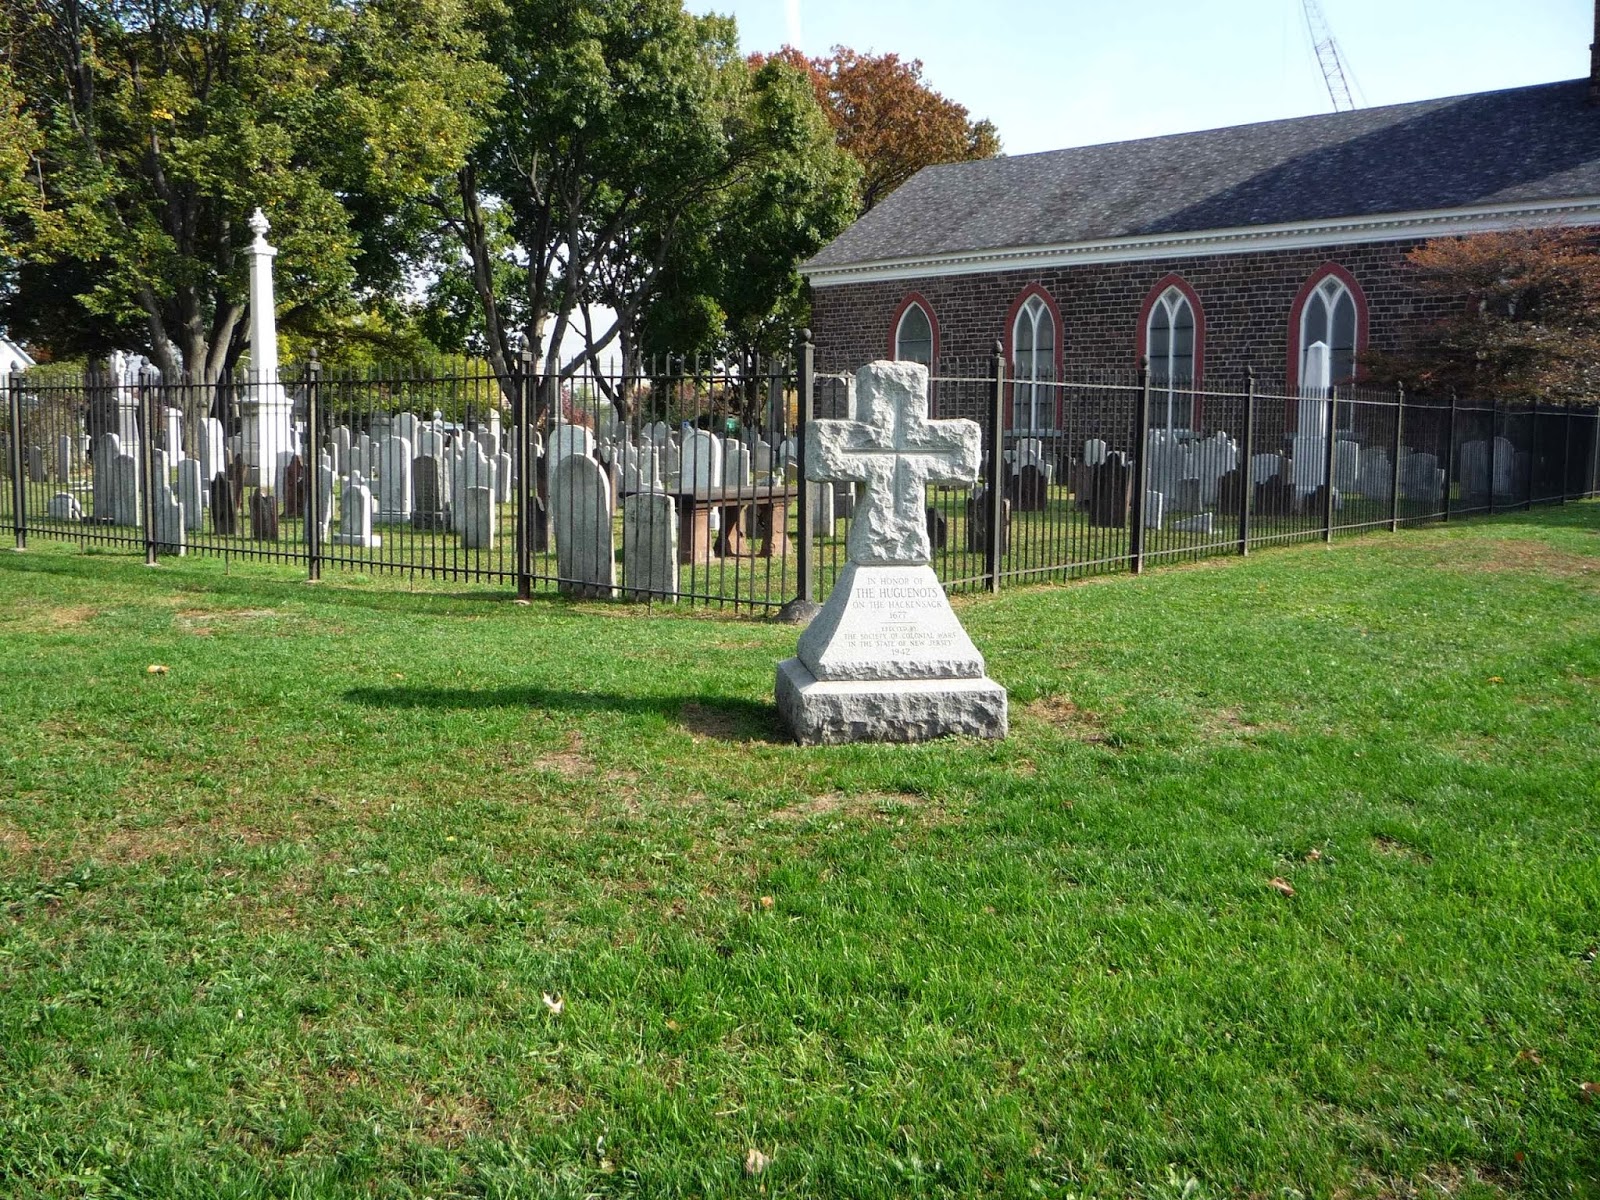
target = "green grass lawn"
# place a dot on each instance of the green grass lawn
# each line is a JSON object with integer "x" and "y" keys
{"x": 282, "y": 921}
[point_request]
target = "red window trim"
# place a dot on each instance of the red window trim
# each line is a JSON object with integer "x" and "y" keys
{"x": 1008, "y": 336}
{"x": 1142, "y": 337}
{"x": 1298, "y": 308}
{"x": 921, "y": 301}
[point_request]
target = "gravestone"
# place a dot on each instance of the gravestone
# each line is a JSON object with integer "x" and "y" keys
{"x": 1377, "y": 474}
{"x": 1347, "y": 466}
{"x": 211, "y": 448}
{"x": 224, "y": 504}
{"x": 427, "y": 493}
{"x": 1155, "y": 510}
{"x": 580, "y": 511}
{"x": 263, "y": 517}
{"x": 1474, "y": 473}
{"x": 1198, "y": 523}
{"x": 394, "y": 482}
{"x": 478, "y": 517}
{"x": 64, "y": 506}
{"x": 1274, "y": 497}
{"x": 355, "y": 518}
{"x": 294, "y": 489}
{"x": 36, "y": 468}
{"x": 1504, "y": 454}
{"x": 504, "y": 478}
{"x": 886, "y": 659}
{"x": 191, "y": 494}
{"x": 169, "y": 525}
{"x": 107, "y": 448}
{"x": 822, "y": 514}
{"x": 1309, "y": 463}
{"x": 325, "y": 478}
{"x": 701, "y": 468}
{"x": 64, "y": 458}
{"x": 1110, "y": 491}
{"x": 125, "y": 490}
{"x": 978, "y": 524}
{"x": 1028, "y": 490}
{"x": 1094, "y": 452}
{"x": 650, "y": 547}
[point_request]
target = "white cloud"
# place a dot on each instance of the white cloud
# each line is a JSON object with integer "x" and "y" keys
{"x": 791, "y": 17}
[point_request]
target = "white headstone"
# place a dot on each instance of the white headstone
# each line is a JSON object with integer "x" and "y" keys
{"x": 701, "y": 468}
{"x": 355, "y": 516}
{"x": 191, "y": 493}
{"x": 394, "y": 482}
{"x": 1347, "y": 466}
{"x": 580, "y": 520}
{"x": 650, "y": 547}
{"x": 124, "y": 490}
{"x": 478, "y": 517}
{"x": 64, "y": 506}
{"x": 170, "y": 536}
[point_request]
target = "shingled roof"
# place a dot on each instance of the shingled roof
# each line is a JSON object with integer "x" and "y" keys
{"x": 1528, "y": 144}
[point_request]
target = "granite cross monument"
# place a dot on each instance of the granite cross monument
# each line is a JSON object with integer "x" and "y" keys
{"x": 886, "y": 660}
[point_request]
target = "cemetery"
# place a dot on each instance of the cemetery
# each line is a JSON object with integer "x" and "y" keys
{"x": 495, "y": 707}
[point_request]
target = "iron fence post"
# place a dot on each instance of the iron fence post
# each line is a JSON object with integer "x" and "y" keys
{"x": 147, "y": 468}
{"x": 805, "y": 385}
{"x": 1399, "y": 446}
{"x": 1141, "y": 468}
{"x": 1327, "y": 479}
{"x": 1533, "y": 443}
{"x": 19, "y": 493}
{"x": 1450, "y": 456}
{"x": 313, "y": 471}
{"x": 521, "y": 433}
{"x": 1247, "y": 482}
{"x": 996, "y": 467}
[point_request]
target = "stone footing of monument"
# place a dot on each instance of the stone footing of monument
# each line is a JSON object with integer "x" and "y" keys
{"x": 821, "y": 712}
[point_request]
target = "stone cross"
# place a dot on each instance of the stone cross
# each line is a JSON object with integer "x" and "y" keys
{"x": 895, "y": 451}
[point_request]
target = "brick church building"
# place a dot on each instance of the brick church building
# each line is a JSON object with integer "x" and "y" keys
{"x": 1209, "y": 252}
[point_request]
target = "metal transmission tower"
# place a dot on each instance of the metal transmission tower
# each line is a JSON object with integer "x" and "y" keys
{"x": 1333, "y": 72}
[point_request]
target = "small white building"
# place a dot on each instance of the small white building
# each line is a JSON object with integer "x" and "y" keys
{"x": 13, "y": 357}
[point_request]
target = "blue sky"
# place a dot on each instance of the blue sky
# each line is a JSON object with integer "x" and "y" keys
{"x": 1073, "y": 73}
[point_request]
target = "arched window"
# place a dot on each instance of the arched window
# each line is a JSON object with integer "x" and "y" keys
{"x": 1033, "y": 366}
{"x": 913, "y": 336}
{"x": 1329, "y": 317}
{"x": 1170, "y": 339}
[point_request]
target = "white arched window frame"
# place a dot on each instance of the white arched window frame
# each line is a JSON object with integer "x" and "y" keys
{"x": 1329, "y": 317}
{"x": 1033, "y": 367}
{"x": 913, "y": 336}
{"x": 1170, "y": 342}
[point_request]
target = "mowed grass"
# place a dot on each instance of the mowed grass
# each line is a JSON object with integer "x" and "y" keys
{"x": 389, "y": 893}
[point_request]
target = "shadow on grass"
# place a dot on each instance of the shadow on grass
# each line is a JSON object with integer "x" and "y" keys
{"x": 722, "y": 718}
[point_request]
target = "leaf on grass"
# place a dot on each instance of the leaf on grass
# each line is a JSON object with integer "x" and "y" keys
{"x": 766, "y": 902}
{"x": 756, "y": 1162}
{"x": 1313, "y": 855}
{"x": 1589, "y": 1092}
{"x": 156, "y": 669}
{"x": 1281, "y": 885}
{"x": 554, "y": 1003}
{"x": 1530, "y": 1056}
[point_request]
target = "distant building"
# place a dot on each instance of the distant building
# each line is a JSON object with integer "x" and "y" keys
{"x": 13, "y": 357}
{"x": 1209, "y": 252}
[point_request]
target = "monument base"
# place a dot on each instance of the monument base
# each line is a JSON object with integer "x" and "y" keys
{"x": 819, "y": 712}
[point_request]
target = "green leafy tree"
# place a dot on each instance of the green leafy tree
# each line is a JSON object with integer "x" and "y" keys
{"x": 163, "y": 123}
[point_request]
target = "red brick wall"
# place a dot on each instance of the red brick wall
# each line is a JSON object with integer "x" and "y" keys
{"x": 1247, "y": 300}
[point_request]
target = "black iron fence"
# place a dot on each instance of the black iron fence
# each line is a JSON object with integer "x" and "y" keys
{"x": 681, "y": 482}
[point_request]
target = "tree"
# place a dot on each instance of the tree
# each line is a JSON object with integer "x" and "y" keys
{"x": 1524, "y": 319}
{"x": 165, "y": 122}
{"x": 618, "y": 125}
{"x": 889, "y": 119}
{"x": 734, "y": 286}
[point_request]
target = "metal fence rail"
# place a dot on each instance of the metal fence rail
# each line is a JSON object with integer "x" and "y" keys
{"x": 683, "y": 481}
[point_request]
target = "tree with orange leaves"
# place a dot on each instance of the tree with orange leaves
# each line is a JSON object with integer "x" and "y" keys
{"x": 889, "y": 119}
{"x": 1526, "y": 319}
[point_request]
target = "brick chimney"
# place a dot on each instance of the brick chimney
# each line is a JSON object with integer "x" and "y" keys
{"x": 1594, "y": 58}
